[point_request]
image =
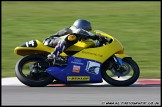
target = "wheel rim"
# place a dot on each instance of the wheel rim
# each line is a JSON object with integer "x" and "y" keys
{"x": 126, "y": 74}
{"x": 27, "y": 71}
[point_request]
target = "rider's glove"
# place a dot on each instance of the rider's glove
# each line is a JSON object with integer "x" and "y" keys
{"x": 102, "y": 40}
{"x": 97, "y": 37}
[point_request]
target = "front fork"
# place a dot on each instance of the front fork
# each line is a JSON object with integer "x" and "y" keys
{"x": 115, "y": 65}
{"x": 115, "y": 62}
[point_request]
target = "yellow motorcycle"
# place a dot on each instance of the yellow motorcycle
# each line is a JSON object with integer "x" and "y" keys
{"x": 84, "y": 63}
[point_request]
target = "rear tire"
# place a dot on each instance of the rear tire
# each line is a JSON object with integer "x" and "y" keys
{"x": 28, "y": 81}
{"x": 130, "y": 81}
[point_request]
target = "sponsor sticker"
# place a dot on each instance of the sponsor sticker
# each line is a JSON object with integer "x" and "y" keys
{"x": 77, "y": 61}
{"x": 78, "y": 78}
{"x": 76, "y": 68}
{"x": 93, "y": 67}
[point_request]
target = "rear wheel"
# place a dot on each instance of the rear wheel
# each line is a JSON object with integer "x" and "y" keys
{"x": 30, "y": 70}
{"x": 127, "y": 75}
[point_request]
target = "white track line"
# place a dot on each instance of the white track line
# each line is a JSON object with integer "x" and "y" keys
{"x": 12, "y": 81}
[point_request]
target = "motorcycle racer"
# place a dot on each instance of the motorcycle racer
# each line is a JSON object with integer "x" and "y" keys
{"x": 79, "y": 31}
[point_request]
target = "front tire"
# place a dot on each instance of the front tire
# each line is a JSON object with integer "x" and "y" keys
{"x": 131, "y": 65}
{"x": 23, "y": 72}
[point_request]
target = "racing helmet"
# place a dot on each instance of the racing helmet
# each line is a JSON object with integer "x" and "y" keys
{"x": 83, "y": 24}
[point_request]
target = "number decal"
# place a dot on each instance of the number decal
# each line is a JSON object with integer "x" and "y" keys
{"x": 31, "y": 43}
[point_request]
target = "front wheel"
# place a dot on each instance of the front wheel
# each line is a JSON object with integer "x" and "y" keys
{"x": 129, "y": 74}
{"x": 30, "y": 70}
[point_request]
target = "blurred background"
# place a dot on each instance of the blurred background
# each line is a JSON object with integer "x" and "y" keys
{"x": 136, "y": 24}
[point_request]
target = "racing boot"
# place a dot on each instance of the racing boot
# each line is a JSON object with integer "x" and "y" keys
{"x": 51, "y": 58}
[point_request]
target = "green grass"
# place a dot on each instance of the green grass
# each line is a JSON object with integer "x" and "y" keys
{"x": 136, "y": 24}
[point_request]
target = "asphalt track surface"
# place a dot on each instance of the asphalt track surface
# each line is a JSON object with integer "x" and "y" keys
{"x": 81, "y": 95}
